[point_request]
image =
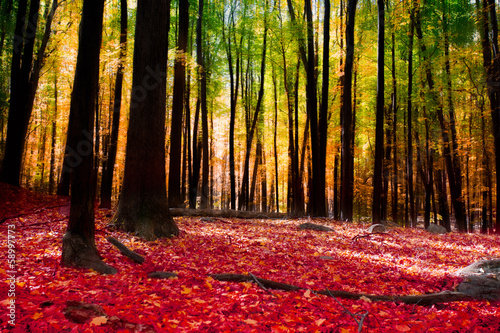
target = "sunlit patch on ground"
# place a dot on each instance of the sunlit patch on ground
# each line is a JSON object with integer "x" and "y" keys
{"x": 403, "y": 262}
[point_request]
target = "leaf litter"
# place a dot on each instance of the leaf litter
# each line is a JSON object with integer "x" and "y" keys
{"x": 411, "y": 261}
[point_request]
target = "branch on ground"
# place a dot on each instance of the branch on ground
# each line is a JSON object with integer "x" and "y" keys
{"x": 426, "y": 299}
{"x": 126, "y": 251}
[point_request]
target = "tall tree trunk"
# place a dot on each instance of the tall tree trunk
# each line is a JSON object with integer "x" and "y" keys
{"x": 275, "y": 142}
{"x": 394, "y": 109}
{"x": 25, "y": 74}
{"x": 78, "y": 248}
{"x": 202, "y": 76}
{"x": 244, "y": 190}
{"x": 317, "y": 200}
{"x": 195, "y": 174}
{"x": 347, "y": 157}
{"x": 379, "y": 127}
{"x": 52, "y": 171}
{"x": 323, "y": 114}
{"x": 143, "y": 207}
{"x": 174, "y": 176}
{"x": 234, "y": 86}
{"x": 412, "y": 221}
{"x": 491, "y": 60}
{"x": 452, "y": 161}
{"x": 107, "y": 174}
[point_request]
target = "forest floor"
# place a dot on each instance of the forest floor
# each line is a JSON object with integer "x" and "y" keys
{"x": 403, "y": 262}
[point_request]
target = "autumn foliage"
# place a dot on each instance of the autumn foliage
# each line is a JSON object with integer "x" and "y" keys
{"x": 51, "y": 298}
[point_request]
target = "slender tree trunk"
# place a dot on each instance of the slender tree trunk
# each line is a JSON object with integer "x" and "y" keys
{"x": 323, "y": 114}
{"x": 379, "y": 128}
{"x": 79, "y": 247}
{"x": 452, "y": 162}
{"x": 107, "y": 174}
{"x": 317, "y": 193}
{"x": 174, "y": 176}
{"x": 347, "y": 158}
{"x": 412, "y": 221}
{"x": 253, "y": 125}
{"x": 143, "y": 207}
{"x": 52, "y": 171}
{"x": 275, "y": 141}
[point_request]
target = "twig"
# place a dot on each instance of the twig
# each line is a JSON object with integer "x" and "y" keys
{"x": 359, "y": 322}
{"x": 355, "y": 238}
{"x": 260, "y": 284}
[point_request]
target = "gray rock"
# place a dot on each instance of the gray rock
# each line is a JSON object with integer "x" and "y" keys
{"x": 375, "y": 228}
{"x": 436, "y": 229}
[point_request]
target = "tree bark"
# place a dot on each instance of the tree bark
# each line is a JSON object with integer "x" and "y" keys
{"x": 379, "y": 127}
{"x": 174, "y": 177}
{"x": 143, "y": 207}
{"x": 347, "y": 157}
{"x": 79, "y": 247}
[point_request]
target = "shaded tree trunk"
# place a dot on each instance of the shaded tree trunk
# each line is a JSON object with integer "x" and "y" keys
{"x": 78, "y": 248}
{"x": 379, "y": 127}
{"x": 412, "y": 221}
{"x": 143, "y": 207}
{"x": 347, "y": 157}
{"x": 174, "y": 177}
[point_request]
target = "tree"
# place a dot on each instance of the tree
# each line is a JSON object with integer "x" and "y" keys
{"x": 25, "y": 74}
{"x": 174, "y": 179}
{"x": 79, "y": 247}
{"x": 109, "y": 165}
{"x": 347, "y": 156}
{"x": 379, "y": 126}
{"x": 143, "y": 207}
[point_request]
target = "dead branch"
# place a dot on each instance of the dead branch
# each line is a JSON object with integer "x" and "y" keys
{"x": 126, "y": 251}
{"x": 426, "y": 299}
{"x": 355, "y": 238}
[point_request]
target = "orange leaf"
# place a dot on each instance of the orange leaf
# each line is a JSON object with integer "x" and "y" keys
{"x": 98, "y": 321}
{"x": 403, "y": 328}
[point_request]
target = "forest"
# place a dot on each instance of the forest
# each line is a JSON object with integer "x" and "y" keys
{"x": 360, "y": 111}
{"x": 210, "y": 130}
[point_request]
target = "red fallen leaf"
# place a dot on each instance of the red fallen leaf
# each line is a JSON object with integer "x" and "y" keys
{"x": 409, "y": 262}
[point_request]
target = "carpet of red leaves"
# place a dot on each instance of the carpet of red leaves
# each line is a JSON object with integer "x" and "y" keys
{"x": 409, "y": 261}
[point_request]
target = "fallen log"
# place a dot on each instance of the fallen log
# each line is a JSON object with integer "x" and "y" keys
{"x": 425, "y": 299}
{"x": 126, "y": 251}
{"x": 238, "y": 214}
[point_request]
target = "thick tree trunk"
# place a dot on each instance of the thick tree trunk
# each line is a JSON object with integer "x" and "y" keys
{"x": 107, "y": 174}
{"x": 78, "y": 248}
{"x": 143, "y": 207}
{"x": 174, "y": 177}
{"x": 347, "y": 157}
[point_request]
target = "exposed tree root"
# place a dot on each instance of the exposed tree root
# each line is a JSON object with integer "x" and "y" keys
{"x": 80, "y": 253}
